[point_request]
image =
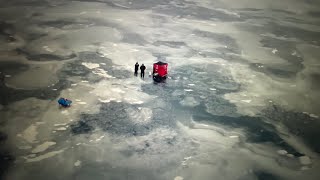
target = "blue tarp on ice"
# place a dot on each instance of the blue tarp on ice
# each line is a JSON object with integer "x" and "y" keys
{"x": 64, "y": 102}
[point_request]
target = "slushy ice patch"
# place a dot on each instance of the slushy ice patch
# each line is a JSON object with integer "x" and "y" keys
{"x": 303, "y": 125}
{"x": 119, "y": 118}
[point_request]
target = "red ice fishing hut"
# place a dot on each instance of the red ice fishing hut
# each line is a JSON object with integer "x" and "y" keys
{"x": 160, "y": 71}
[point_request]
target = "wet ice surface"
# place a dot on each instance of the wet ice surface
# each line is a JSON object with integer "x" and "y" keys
{"x": 241, "y": 100}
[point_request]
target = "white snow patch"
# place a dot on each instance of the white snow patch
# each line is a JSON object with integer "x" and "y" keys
{"x": 61, "y": 129}
{"x": 99, "y": 139}
{"x": 77, "y": 163}
{"x": 290, "y": 155}
{"x": 137, "y": 102}
{"x": 282, "y": 152}
{"x": 90, "y": 65}
{"x": 47, "y": 48}
{"x": 233, "y": 136}
{"x": 104, "y": 100}
{"x": 313, "y": 116}
{"x": 246, "y": 101}
{"x": 274, "y": 51}
{"x": 294, "y": 53}
{"x": 188, "y": 90}
{"x": 178, "y": 178}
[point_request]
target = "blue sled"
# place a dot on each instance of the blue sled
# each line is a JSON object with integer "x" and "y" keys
{"x": 64, "y": 102}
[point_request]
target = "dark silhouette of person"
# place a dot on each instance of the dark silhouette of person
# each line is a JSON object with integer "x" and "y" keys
{"x": 2, "y": 77}
{"x": 136, "y": 68}
{"x": 3, "y": 90}
{"x": 142, "y": 68}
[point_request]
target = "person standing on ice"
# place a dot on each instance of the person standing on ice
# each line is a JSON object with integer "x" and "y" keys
{"x": 3, "y": 90}
{"x": 142, "y": 68}
{"x": 136, "y": 68}
{"x": 2, "y": 77}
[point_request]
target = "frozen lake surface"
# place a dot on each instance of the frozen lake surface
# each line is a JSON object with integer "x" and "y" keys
{"x": 241, "y": 101}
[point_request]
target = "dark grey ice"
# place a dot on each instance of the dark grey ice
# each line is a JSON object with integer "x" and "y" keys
{"x": 241, "y": 102}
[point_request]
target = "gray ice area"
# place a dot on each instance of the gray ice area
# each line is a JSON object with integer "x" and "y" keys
{"x": 241, "y": 100}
